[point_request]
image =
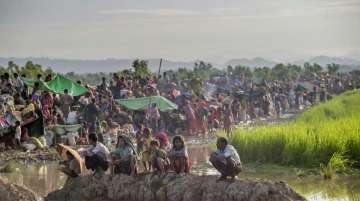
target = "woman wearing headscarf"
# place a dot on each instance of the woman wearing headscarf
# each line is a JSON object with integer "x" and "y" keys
{"x": 124, "y": 156}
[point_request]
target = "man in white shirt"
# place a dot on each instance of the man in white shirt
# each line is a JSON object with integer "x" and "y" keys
{"x": 226, "y": 159}
{"x": 97, "y": 157}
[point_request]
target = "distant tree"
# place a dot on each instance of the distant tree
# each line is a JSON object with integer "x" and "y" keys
{"x": 317, "y": 68}
{"x": 312, "y": 69}
{"x": 238, "y": 70}
{"x": 333, "y": 68}
{"x": 183, "y": 73}
{"x": 280, "y": 72}
{"x": 264, "y": 73}
{"x": 229, "y": 69}
{"x": 202, "y": 70}
{"x": 126, "y": 72}
{"x": 141, "y": 68}
{"x": 13, "y": 68}
{"x": 217, "y": 72}
{"x": 294, "y": 71}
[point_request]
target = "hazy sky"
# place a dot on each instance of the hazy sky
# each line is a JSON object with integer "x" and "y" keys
{"x": 180, "y": 29}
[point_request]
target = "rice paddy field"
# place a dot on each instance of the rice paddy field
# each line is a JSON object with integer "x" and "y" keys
{"x": 326, "y": 133}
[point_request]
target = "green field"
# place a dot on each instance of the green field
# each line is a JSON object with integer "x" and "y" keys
{"x": 310, "y": 140}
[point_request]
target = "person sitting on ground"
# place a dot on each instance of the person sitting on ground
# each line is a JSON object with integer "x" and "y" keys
{"x": 163, "y": 139}
{"x": 226, "y": 159}
{"x": 71, "y": 166}
{"x": 159, "y": 159}
{"x": 97, "y": 157}
{"x": 178, "y": 155}
{"x": 123, "y": 158}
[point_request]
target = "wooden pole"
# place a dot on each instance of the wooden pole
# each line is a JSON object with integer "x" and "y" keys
{"x": 159, "y": 67}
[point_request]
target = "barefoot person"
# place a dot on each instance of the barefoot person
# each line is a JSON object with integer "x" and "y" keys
{"x": 178, "y": 155}
{"x": 225, "y": 159}
{"x": 145, "y": 141}
{"x": 159, "y": 159}
{"x": 124, "y": 158}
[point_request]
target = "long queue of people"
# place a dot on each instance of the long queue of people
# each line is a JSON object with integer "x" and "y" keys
{"x": 242, "y": 101}
{"x": 104, "y": 122}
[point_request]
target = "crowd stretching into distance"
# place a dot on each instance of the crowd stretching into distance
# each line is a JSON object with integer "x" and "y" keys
{"x": 129, "y": 141}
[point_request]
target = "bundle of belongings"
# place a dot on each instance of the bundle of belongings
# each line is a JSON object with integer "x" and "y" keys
{"x": 6, "y": 117}
{"x": 4, "y": 126}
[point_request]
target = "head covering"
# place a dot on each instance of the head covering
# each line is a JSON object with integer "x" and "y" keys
{"x": 128, "y": 141}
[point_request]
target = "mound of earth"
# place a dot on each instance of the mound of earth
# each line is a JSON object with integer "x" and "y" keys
{"x": 13, "y": 192}
{"x": 171, "y": 187}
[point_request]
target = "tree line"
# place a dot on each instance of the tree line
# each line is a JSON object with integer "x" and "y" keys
{"x": 200, "y": 72}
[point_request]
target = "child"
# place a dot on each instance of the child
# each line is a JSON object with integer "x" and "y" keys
{"x": 163, "y": 139}
{"x": 123, "y": 157}
{"x": 178, "y": 155}
{"x": 18, "y": 134}
{"x": 158, "y": 157}
{"x": 138, "y": 136}
{"x": 145, "y": 142}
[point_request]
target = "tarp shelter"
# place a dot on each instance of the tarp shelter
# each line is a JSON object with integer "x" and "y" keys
{"x": 58, "y": 84}
{"x": 30, "y": 82}
{"x": 143, "y": 102}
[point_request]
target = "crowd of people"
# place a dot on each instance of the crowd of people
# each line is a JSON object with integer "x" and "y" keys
{"x": 30, "y": 113}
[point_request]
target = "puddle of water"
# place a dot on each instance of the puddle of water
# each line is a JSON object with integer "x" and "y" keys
{"x": 314, "y": 188}
{"x": 45, "y": 178}
{"x": 40, "y": 178}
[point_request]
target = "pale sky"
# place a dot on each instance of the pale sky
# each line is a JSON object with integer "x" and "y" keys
{"x": 214, "y": 30}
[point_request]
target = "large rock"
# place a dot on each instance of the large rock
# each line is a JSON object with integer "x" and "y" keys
{"x": 171, "y": 187}
{"x": 13, "y": 192}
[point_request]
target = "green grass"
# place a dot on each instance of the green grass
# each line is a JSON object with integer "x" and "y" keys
{"x": 310, "y": 140}
{"x": 338, "y": 162}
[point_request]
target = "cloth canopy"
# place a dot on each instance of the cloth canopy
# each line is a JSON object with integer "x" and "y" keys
{"x": 142, "y": 103}
{"x": 58, "y": 85}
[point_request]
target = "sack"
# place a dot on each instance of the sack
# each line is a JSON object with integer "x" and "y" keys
{"x": 36, "y": 142}
{"x": 29, "y": 147}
